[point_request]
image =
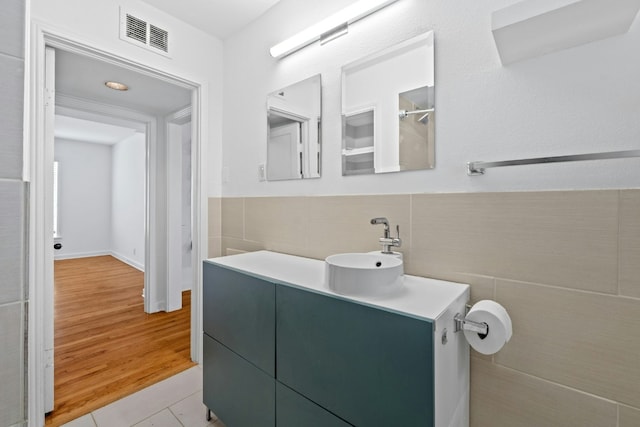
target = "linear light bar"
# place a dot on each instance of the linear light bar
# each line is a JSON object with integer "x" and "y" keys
{"x": 343, "y": 18}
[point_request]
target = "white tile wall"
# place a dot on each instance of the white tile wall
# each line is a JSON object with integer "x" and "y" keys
{"x": 11, "y": 240}
{"x": 11, "y": 107}
{"x": 11, "y": 364}
{"x": 12, "y": 214}
{"x": 11, "y": 25}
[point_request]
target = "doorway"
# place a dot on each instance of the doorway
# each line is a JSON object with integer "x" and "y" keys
{"x": 99, "y": 188}
{"x": 156, "y": 284}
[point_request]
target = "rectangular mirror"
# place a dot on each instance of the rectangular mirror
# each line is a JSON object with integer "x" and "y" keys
{"x": 294, "y": 131}
{"x": 388, "y": 109}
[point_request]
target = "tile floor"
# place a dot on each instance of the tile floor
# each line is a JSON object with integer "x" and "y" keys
{"x": 174, "y": 402}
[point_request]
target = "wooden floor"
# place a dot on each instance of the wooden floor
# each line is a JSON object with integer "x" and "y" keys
{"x": 106, "y": 347}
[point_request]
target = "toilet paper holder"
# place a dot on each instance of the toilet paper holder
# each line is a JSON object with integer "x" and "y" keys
{"x": 462, "y": 323}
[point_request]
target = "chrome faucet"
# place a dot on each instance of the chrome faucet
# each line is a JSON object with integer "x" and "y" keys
{"x": 387, "y": 241}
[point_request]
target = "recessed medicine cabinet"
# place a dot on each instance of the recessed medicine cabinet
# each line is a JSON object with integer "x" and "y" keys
{"x": 388, "y": 109}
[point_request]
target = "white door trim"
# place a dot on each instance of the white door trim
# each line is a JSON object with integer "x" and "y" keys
{"x": 41, "y": 241}
{"x": 173, "y": 123}
{"x": 47, "y": 221}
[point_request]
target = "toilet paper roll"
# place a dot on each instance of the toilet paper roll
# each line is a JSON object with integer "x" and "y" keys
{"x": 499, "y": 322}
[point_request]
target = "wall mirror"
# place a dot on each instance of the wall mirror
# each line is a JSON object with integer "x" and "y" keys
{"x": 294, "y": 131}
{"x": 388, "y": 109}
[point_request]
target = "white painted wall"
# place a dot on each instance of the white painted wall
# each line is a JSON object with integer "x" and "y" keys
{"x": 84, "y": 198}
{"x": 128, "y": 200}
{"x": 579, "y": 100}
{"x": 101, "y": 199}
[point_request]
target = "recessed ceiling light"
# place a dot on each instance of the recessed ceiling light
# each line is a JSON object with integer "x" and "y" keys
{"x": 116, "y": 86}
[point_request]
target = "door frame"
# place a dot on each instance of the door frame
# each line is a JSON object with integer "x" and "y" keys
{"x": 173, "y": 123}
{"x": 36, "y": 155}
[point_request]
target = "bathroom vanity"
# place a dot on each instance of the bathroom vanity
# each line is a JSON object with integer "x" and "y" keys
{"x": 281, "y": 349}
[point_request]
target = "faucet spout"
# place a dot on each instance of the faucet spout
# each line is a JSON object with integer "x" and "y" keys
{"x": 385, "y": 222}
{"x": 387, "y": 241}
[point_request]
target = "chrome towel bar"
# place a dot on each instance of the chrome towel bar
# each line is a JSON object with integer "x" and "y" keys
{"x": 477, "y": 168}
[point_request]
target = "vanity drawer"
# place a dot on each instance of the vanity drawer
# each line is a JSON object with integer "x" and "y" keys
{"x": 367, "y": 366}
{"x": 294, "y": 410}
{"x": 240, "y": 394}
{"x": 239, "y": 312}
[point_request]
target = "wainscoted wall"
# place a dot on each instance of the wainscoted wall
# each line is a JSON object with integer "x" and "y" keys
{"x": 565, "y": 264}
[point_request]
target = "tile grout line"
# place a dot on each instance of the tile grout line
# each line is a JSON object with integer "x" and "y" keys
{"x": 563, "y": 288}
{"x": 10, "y": 56}
{"x": 180, "y": 399}
{"x": 153, "y": 415}
{"x": 561, "y": 385}
{"x": 618, "y": 239}
{"x": 175, "y": 416}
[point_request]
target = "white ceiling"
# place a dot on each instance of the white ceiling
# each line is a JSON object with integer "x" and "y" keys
{"x": 83, "y": 77}
{"x": 220, "y": 18}
{"x": 74, "y": 129}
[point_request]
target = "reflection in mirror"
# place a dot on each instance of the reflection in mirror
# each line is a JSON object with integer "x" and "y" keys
{"x": 417, "y": 118}
{"x": 388, "y": 109}
{"x": 357, "y": 131}
{"x": 293, "y": 131}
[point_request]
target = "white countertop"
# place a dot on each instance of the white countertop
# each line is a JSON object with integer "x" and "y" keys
{"x": 421, "y": 297}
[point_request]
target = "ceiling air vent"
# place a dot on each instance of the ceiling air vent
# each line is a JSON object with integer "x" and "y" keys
{"x": 140, "y": 32}
{"x": 158, "y": 38}
{"x": 136, "y": 29}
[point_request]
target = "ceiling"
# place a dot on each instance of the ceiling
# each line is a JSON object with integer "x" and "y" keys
{"x": 83, "y": 77}
{"x": 74, "y": 129}
{"x": 220, "y": 18}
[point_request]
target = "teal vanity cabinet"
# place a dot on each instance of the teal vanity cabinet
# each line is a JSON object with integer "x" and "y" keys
{"x": 238, "y": 347}
{"x": 280, "y": 349}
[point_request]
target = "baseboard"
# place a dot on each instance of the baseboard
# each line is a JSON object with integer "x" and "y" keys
{"x": 80, "y": 255}
{"x": 157, "y": 306}
{"x": 126, "y": 260}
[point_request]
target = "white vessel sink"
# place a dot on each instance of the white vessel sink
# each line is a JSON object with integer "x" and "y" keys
{"x": 364, "y": 274}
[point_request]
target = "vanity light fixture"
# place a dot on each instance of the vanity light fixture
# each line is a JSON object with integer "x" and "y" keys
{"x": 116, "y": 86}
{"x": 330, "y": 28}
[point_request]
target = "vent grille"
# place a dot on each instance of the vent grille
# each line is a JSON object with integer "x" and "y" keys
{"x": 136, "y": 29}
{"x": 142, "y": 33}
{"x": 159, "y": 38}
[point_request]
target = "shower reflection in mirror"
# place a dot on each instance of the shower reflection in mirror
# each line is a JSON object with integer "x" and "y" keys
{"x": 416, "y": 134}
{"x": 388, "y": 109}
{"x": 294, "y": 131}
